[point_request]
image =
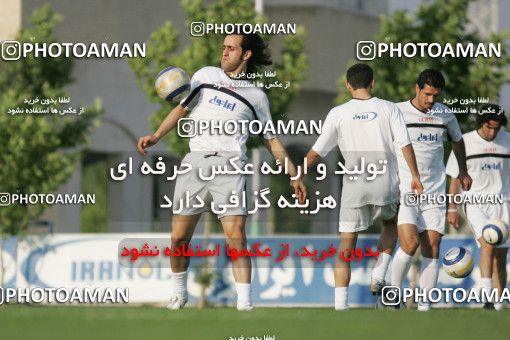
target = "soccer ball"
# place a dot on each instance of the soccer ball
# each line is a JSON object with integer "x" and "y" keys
{"x": 172, "y": 84}
{"x": 495, "y": 232}
{"x": 458, "y": 262}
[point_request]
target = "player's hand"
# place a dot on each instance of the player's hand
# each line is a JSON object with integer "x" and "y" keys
{"x": 416, "y": 186}
{"x": 453, "y": 219}
{"x": 299, "y": 190}
{"x": 465, "y": 180}
{"x": 145, "y": 142}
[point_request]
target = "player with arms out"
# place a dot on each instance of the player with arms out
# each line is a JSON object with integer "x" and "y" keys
{"x": 488, "y": 163}
{"x": 366, "y": 128}
{"x": 218, "y": 95}
{"x": 423, "y": 223}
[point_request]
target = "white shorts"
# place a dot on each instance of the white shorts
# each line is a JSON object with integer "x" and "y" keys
{"x": 478, "y": 214}
{"x": 359, "y": 219}
{"x": 431, "y": 218}
{"x": 217, "y": 190}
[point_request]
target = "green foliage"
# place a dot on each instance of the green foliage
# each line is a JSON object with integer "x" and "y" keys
{"x": 34, "y": 158}
{"x": 436, "y": 22}
{"x": 94, "y": 217}
{"x": 204, "y": 51}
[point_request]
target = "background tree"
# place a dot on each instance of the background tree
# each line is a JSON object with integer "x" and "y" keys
{"x": 38, "y": 150}
{"x": 436, "y": 22}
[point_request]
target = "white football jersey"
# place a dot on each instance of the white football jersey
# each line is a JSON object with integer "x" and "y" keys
{"x": 488, "y": 164}
{"x": 428, "y": 132}
{"x": 215, "y": 97}
{"x": 367, "y": 129}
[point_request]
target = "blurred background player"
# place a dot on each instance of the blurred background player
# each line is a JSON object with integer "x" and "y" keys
{"x": 242, "y": 54}
{"x": 423, "y": 223}
{"x": 364, "y": 127}
{"x": 488, "y": 163}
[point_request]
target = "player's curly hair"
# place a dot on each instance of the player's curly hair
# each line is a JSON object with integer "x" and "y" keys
{"x": 490, "y": 112}
{"x": 260, "y": 55}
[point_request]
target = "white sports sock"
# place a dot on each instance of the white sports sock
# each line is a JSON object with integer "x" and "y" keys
{"x": 487, "y": 286}
{"x": 179, "y": 281}
{"x": 341, "y": 298}
{"x": 243, "y": 294}
{"x": 400, "y": 267}
{"x": 428, "y": 275}
{"x": 381, "y": 267}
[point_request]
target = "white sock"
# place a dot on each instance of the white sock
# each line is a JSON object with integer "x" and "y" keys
{"x": 487, "y": 286}
{"x": 243, "y": 294}
{"x": 400, "y": 267}
{"x": 381, "y": 267}
{"x": 341, "y": 298}
{"x": 179, "y": 281}
{"x": 429, "y": 272}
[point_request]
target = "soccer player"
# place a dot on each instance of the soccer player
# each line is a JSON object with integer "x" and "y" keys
{"x": 488, "y": 163}
{"x": 220, "y": 94}
{"x": 366, "y": 129}
{"x": 422, "y": 222}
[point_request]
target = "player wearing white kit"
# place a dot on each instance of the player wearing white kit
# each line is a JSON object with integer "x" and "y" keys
{"x": 365, "y": 127}
{"x": 218, "y": 95}
{"x": 488, "y": 163}
{"x": 422, "y": 222}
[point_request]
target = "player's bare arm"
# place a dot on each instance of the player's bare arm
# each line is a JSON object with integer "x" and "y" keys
{"x": 459, "y": 149}
{"x": 166, "y": 126}
{"x": 279, "y": 153}
{"x": 410, "y": 157}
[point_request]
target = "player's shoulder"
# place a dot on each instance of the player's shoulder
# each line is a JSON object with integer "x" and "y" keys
{"x": 386, "y": 103}
{"x": 441, "y": 109}
{"x": 404, "y": 105}
{"x": 207, "y": 72}
{"x": 470, "y": 136}
{"x": 504, "y": 135}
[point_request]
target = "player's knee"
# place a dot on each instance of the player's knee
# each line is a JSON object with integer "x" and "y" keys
{"x": 236, "y": 236}
{"x": 235, "y": 231}
{"x": 486, "y": 248}
{"x": 179, "y": 241}
{"x": 410, "y": 245}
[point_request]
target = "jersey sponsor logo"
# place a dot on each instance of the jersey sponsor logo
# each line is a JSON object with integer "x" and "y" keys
{"x": 490, "y": 149}
{"x": 223, "y": 103}
{"x": 430, "y": 137}
{"x": 491, "y": 166}
{"x": 427, "y": 119}
{"x": 364, "y": 116}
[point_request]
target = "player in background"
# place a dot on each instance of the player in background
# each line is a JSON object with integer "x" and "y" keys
{"x": 488, "y": 163}
{"x": 364, "y": 127}
{"x": 235, "y": 99}
{"x": 422, "y": 223}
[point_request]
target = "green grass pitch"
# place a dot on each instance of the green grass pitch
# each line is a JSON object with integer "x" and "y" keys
{"x": 142, "y": 323}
